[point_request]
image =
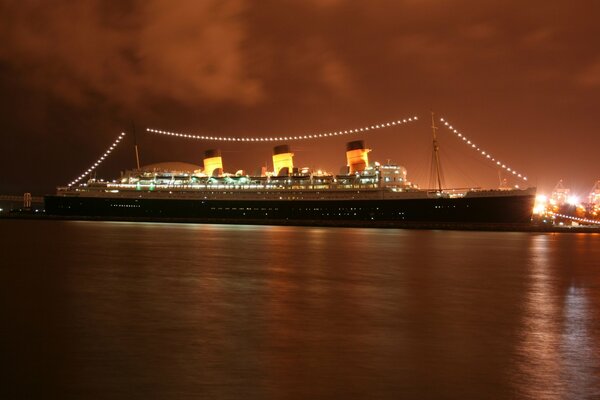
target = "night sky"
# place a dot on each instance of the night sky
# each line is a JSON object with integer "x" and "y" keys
{"x": 520, "y": 78}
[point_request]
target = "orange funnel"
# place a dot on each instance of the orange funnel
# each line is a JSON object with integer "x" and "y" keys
{"x": 283, "y": 163}
{"x": 357, "y": 156}
{"x": 213, "y": 164}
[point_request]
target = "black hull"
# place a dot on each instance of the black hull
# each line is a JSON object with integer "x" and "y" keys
{"x": 476, "y": 210}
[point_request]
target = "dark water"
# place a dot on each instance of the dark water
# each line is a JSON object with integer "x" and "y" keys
{"x": 162, "y": 311}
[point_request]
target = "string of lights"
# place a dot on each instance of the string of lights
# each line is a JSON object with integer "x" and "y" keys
{"x": 99, "y": 161}
{"x": 284, "y": 138}
{"x": 482, "y": 152}
{"x": 588, "y": 221}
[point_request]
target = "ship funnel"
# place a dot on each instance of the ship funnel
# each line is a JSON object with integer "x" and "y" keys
{"x": 213, "y": 164}
{"x": 357, "y": 156}
{"x": 283, "y": 163}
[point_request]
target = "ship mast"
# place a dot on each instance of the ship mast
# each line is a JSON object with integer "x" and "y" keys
{"x": 436, "y": 167}
{"x": 137, "y": 154}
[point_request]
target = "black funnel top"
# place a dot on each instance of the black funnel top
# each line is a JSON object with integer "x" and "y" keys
{"x": 212, "y": 153}
{"x": 281, "y": 149}
{"x": 355, "y": 145}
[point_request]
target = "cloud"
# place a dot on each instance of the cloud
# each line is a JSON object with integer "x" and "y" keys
{"x": 590, "y": 75}
{"x": 327, "y": 3}
{"x": 479, "y": 31}
{"x": 336, "y": 76}
{"x": 187, "y": 51}
{"x": 539, "y": 38}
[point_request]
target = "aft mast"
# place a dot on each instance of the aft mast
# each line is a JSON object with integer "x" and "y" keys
{"x": 436, "y": 167}
{"x": 137, "y": 154}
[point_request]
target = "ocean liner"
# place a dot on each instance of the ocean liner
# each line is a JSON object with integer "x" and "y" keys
{"x": 366, "y": 194}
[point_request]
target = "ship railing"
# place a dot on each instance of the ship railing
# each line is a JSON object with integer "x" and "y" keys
{"x": 249, "y": 186}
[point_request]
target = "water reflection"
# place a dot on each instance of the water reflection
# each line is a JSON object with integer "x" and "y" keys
{"x": 556, "y": 358}
{"x": 580, "y": 361}
{"x": 127, "y": 310}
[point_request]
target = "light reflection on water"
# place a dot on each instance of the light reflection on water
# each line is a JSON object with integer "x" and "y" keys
{"x": 539, "y": 361}
{"x": 130, "y": 310}
{"x": 557, "y": 358}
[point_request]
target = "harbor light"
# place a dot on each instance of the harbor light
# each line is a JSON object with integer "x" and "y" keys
{"x": 541, "y": 202}
{"x": 573, "y": 200}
